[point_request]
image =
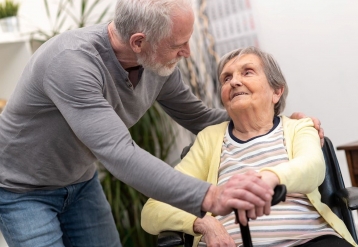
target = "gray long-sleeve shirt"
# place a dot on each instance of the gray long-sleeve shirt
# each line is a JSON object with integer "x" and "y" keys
{"x": 74, "y": 104}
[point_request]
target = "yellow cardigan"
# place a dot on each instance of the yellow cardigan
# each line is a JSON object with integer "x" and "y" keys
{"x": 306, "y": 163}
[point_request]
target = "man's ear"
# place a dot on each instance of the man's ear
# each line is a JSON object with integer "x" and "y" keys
{"x": 136, "y": 41}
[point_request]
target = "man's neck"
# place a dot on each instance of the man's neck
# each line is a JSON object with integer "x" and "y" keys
{"x": 125, "y": 55}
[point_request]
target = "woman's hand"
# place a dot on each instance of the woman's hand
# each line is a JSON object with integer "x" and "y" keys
{"x": 214, "y": 233}
{"x": 272, "y": 181}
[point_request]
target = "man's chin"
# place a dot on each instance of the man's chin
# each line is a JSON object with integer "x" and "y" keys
{"x": 163, "y": 70}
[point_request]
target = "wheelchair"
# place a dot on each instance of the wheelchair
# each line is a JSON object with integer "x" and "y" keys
{"x": 334, "y": 194}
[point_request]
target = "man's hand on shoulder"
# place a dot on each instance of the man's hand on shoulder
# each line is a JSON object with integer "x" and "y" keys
{"x": 316, "y": 122}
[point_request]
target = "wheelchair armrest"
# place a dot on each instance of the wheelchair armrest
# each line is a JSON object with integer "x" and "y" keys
{"x": 170, "y": 239}
{"x": 349, "y": 197}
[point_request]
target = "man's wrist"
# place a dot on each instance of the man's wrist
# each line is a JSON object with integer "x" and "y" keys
{"x": 207, "y": 204}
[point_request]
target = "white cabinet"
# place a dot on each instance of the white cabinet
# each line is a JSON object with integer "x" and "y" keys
{"x": 15, "y": 52}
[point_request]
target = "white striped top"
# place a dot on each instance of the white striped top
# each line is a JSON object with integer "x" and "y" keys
{"x": 290, "y": 223}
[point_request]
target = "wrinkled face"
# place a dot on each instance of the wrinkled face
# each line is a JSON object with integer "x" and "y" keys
{"x": 244, "y": 86}
{"x": 170, "y": 50}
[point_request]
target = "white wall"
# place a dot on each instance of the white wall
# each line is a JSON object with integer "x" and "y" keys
{"x": 315, "y": 43}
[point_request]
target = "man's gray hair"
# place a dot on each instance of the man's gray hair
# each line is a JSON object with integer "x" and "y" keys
{"x": 151, "y": 17}
{"x": 271, "y": 68}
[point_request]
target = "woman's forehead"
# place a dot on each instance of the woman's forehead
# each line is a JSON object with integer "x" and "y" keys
{"x": 243, "y": 59}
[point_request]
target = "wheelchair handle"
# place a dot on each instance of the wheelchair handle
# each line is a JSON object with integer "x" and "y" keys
{"x": 279, "y": 195}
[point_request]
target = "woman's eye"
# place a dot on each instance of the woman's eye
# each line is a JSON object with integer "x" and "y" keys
{"x": 228, "y": 78}
{"x": 248, "y": 72}
{"x": 225, "y": 78}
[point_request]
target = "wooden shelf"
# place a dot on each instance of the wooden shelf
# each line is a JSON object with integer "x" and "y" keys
{"x": 351, "y": 151}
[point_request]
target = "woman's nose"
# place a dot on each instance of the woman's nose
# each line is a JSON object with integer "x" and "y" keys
{"x": 235, "y": 81}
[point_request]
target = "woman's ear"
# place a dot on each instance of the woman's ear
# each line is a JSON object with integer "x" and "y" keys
{"x": 136, "y": 41}
{"x": 277, "y": 95}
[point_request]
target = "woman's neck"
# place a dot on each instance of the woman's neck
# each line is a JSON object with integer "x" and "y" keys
{"x": 249, "y": 126}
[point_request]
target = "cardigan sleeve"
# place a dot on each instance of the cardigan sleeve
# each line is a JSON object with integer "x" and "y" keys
{"x": 305, "y": 170}
{"x": 158, "y": 216}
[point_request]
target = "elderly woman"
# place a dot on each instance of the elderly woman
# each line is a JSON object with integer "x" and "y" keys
{"x": 257, "y": 139}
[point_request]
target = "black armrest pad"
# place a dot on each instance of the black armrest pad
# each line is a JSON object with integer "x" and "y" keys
{"x": 349, "y": 196}
{"x": 170, "y": 238}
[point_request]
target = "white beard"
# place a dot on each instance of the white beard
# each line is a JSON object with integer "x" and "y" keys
{"x": 148, "y": 62}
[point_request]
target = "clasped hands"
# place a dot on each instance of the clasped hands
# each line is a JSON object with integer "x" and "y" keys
{"x": 250, "y": 193}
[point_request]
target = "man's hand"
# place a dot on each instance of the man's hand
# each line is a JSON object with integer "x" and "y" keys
{"x": 214, "y": 233}
{"x": 316, "y": 122}
{"x": 243, "y": 192}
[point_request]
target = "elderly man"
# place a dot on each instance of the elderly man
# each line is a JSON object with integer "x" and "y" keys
{"x": 74, "y": 103}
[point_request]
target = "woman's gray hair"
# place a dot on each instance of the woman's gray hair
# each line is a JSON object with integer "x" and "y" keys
{"x": 151, "y": 17}
{"x": 271, "y": 68}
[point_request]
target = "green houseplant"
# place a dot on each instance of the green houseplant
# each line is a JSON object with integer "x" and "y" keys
{"x": 8, "y": 16}
{"x": 8, "y": 8}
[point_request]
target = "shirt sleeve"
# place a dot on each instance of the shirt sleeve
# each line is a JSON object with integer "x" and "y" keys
{"x": 73, "y": 82}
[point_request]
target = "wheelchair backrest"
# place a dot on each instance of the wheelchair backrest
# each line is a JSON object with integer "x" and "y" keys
{"x": 332, "y": 183}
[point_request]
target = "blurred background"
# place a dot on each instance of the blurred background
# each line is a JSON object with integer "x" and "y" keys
{"x": 314, "y": 41}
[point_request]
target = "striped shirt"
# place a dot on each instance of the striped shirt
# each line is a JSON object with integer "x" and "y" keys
{"x": 290, "y": 223}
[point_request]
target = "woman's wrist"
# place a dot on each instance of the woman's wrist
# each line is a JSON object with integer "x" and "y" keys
{"x": 199, "y": 226}
{"x": 270, "y": 178}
